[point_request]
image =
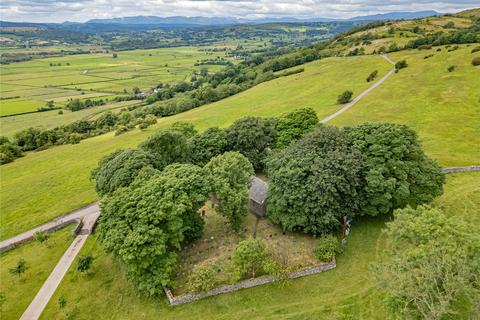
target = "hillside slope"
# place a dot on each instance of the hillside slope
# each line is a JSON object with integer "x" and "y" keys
{"x": 46, "y": 184}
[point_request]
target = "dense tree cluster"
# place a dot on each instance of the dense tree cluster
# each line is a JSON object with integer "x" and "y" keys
{"x": 8, "y": 150}
{"x": 371, "y": 169}
{"x": 120, "y": 168}
{"x": 145, "y": 226}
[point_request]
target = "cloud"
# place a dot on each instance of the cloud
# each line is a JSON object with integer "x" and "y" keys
{"x": 81, "y": 10}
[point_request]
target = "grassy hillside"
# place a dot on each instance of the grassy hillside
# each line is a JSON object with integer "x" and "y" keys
{"x": 443, "y": 106}
{"x": 43, "y": 185}
{"x": 346, "y": 292}
{"x": 393, "y": 34}
{"x": 41, "y": 258}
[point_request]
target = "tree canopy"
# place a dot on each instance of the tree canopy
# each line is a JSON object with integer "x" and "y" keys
{"x": 145, "y": 226}
{"x": 398, "y": 173}
{"x": 208, "y": 144}
{"x": 167, "y": 146}
{"x": 314, "y": 182}
{"x": 119, "y": 169}
{"x": 294, "y": 125}
{"x": 230, "y": 177}
{"x": 253, "y": 137}
{"x": 432, "y": 267}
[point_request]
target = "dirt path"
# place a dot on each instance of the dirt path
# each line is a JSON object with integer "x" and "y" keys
{"x": 46, "y": 292}
{"x": 49, "y": 226}
{"x": 361, "y": 95}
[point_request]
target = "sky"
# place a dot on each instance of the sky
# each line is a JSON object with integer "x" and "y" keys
{"x": 83, "y": 10}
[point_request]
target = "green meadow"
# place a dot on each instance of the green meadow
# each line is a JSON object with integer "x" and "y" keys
{"x": 51, "y": 119}
{"x": 45, "y": 184}
{"x": 32, "y": 83}
{"x": 41, "y": 259}
{"x": 347, "y": 292}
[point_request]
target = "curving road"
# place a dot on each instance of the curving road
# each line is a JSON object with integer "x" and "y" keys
{"x": 50, "y": 226}
{"x": 361, "y": 95}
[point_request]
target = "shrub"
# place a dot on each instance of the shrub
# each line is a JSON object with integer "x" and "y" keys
{"x": 451, "y": 68}
{"x": 84, "y": 263}
{"x": 19, "y": 268}
{"x": 345, "y": 97}
{"x": 202, "y": 278}
{"x": 41, "y": 236}
{"x": 476, "y": 61}
{"x": 401, "y": 64}
{"x": 74, "y": 138}
{"x": 372, "y": 76}
{"x": 121, "y": 129}
{"x": 250, "y": 257}
{"x": 326, "y": 248}
{"x": 476, "y": 49}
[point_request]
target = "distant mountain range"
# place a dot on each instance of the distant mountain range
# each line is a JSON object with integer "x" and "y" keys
{"x": 216, "y": 21}
{"x": 206, "y": 21}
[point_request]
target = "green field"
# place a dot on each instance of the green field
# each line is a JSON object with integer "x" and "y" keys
{"x": 51, "y": 119}
{"x": 56, "y": 181}
{"x": 94, "y": 75}
{"x": 42, "y": 258}
{"x": 346, "y": 292}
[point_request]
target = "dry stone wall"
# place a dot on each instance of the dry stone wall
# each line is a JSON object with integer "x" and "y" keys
{"x": 186, "y": 298}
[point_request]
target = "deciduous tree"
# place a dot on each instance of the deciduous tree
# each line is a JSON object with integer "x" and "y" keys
{"x": 432, "y": 266}
{"x": 314, "y": 182}
{"x": 230, "y": 177}
{"x": 144, "y": 227}
{"x": 398, "y": 173}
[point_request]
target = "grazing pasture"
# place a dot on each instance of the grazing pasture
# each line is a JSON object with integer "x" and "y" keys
{"x": 26, "y": 86}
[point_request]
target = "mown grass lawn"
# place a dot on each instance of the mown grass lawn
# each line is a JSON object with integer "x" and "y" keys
{"x": 46, "y": 184}
{"x": 42, "y": 258}
{"x": 347, "y": 292}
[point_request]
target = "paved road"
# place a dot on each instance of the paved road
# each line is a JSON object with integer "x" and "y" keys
{"x": 46, "y": 292}
{"x": 52, "y": 225}
{"x": 361, "y": 95}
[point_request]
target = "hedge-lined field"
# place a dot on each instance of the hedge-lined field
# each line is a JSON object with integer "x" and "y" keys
{"x": 31, "y": 84}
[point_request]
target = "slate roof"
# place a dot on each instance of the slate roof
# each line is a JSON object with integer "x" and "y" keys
{"x": 258, "y": 190}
